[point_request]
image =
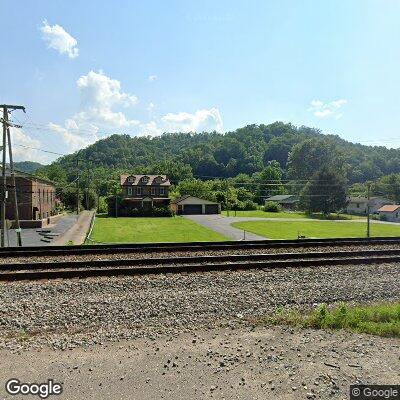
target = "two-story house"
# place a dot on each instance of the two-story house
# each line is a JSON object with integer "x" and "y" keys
{"x": 145, "y": 191}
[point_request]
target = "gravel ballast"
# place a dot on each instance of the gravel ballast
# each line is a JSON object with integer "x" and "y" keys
{"x": 69, "y": 313}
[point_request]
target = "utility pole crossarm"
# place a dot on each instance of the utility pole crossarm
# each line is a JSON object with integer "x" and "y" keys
{"x": 11, "y": 107}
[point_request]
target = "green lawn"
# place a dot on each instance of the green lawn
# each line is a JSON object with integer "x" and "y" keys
{"x": 136, "y": 230}
{"x": 376, "y": 319}
{"x": 315, "y": 229}
{"x": 298, "y": 215}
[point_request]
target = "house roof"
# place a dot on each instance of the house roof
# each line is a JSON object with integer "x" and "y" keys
{"x": 180, "y": 199}
{"x": 164, "y": 181}
{"x": 390, "y": 208}
{"x": 283, "y": 197}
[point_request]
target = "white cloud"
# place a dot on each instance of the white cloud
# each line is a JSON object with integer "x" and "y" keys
{"x": 100, "y": 111}
{"x": 149, "y": 129}
{"x": 331, "y": 109}
{"x": 73, "y": 136}
{"x": 57, "y": 38}
{"x": 100, "y": 95}
{"x": 152, "y": 78}
{"x": 24, "y": 147}
{"x": 201, "y": 120}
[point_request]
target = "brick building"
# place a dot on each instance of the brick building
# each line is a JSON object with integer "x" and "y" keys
{"x": 36, "y": 197}
{"x": 145, "y": 191}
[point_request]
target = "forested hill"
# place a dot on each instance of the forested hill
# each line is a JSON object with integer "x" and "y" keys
{"x": 245, "y": 150}
{"x": 27, "y": 166}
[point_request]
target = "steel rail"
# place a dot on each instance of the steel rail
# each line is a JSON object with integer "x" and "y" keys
{"x": 188, "y": 246}
{"x": 96, "y": 268}
{"x": 194, "y": 260}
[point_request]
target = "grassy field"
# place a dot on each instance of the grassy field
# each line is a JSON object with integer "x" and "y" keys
{"x": 315, "y": 229}
{"x": 136, "y": 230}
{"x": 378, "y": 319}
{"x": 298, "y": 215}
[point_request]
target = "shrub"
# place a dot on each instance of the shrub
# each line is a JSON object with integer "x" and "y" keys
{"x": 249, "y": 205}
{"x": 271, "y": 206}
{"x": 102, "y": 206}
{"x": 383, "y": 217}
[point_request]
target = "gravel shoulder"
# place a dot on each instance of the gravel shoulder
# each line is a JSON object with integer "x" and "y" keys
{"x": 245, "y": 363}
{"x": 65, "y": 314}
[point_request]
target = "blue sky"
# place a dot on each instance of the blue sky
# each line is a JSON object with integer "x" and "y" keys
{"x": 87, "y": 69}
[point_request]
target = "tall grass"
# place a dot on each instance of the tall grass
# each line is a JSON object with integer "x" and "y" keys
{"x": 377, "y": 319}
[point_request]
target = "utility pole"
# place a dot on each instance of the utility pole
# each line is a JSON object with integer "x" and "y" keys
{"x": 6, "y": 134}
{"x": 4, "y": 182}
{"x": 226, "y": 196}
{"x": 77, "y": 186}
{"x": 368, "y": 209}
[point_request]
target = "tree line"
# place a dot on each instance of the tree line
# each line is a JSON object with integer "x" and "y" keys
{"x": 240, "y": 168}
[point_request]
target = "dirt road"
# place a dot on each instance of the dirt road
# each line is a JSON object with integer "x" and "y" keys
{"x": 245, "y": 364}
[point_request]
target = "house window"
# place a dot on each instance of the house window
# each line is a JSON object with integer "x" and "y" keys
{"x": 139, "y": 191}
{"x": 358, "y": 205}
{"x": 153, "y": 191}
{"x": 129, "y": 191}
{"x": 131, "y": 179}
{"x": 145, "y": 179}
{"x": 162, "y": 191}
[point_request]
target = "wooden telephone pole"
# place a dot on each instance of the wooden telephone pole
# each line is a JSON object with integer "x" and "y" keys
{"x": 7, "y": 136}
{"x": 368, "y": 209}
{"x": 77, "y": 186}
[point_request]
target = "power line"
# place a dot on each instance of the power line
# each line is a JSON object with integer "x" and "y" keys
{"x": 37, "y": 148}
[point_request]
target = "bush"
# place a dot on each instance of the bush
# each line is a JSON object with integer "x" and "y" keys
{"x": 102, "y": 206}
{"x": 126, "y": 209}
{"x": 271, "y": 206}
{"x": 247, "y": 205}
{"x": 250, "y": 205}
{"x": 383, "y": 217}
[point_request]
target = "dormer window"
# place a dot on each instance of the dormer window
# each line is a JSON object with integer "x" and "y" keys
{"x": 158, "y": 179}
{"x": 131, "y": 179}
{"x": 145, "y": 179}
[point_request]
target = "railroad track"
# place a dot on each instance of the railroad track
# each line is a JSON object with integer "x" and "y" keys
{"x": 112, "y": 267}
{"x": 190, "y": 246}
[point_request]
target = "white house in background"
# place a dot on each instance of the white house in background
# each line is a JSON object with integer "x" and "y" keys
{"x": 359, "y": 205}
{"x": 390, "y": 213}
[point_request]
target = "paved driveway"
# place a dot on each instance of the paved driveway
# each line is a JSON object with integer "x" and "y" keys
{"x": 69, "y": 227}
{"x": 222, "y": 225}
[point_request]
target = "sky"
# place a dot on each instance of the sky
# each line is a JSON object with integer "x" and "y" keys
{"x": 88, "y": 69}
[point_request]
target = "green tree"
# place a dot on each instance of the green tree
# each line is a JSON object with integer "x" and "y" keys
{"x": 325, "y": 192}
{"x": 311, "y": 155}
{"x": 193, "y": 187}
{"x": 269, "y": 181}
{"x": 388, "y": 186}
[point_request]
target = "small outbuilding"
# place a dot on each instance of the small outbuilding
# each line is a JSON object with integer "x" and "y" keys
{"x": 390, "y": 213}
{"x": 187, "y": 205}
{"x": 286, "y": 201}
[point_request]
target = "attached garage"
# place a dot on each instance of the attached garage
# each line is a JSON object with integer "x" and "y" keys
{"x": 189, "y": 205}
{"x": 191, "y": 209}
{"x": 211, "y": 209}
